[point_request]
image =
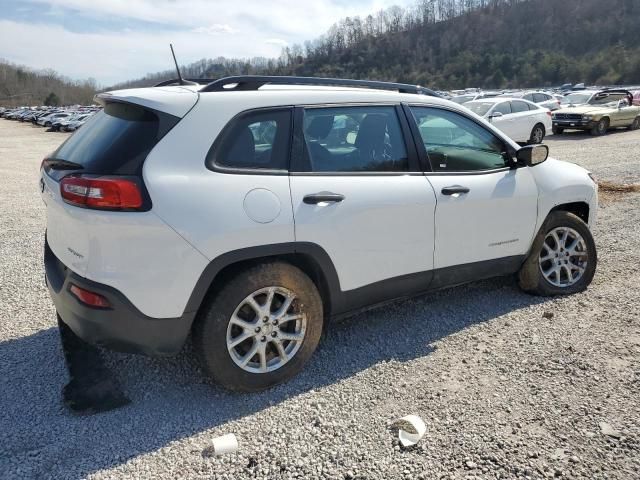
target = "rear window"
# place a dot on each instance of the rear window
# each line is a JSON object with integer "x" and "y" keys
{"x": 518, "y": 107}
{"x": 116, "y": 140}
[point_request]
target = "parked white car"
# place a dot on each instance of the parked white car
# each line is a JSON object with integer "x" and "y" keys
{"x": 47, "y": 120}
{"x": 543, "y": 99}
{"x": 521, "y": 120}
{"x": 468, "y": 97}
{"x": 248, "y": 214}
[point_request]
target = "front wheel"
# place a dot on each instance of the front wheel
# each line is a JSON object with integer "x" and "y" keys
{"x": 563, "y": 257}
{"x": 261, "y": 328}
{"x": 600, "y": 128}
{"x": 635, "y": 125}
{"x": 537, "y": 135}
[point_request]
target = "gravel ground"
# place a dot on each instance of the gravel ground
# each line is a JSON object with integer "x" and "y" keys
{"x": 509, "y": 385}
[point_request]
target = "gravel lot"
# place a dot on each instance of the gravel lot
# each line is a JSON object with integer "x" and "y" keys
{"x": 509, "y": 385}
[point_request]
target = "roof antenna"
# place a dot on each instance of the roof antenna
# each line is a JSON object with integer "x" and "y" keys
{"x": 181, "y": 80}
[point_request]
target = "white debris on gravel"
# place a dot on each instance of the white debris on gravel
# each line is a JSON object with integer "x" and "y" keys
{"x": 411, "y": 429}
{"x": 507, "y": 391}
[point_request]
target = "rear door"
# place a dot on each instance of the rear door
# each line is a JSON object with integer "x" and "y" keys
{"x": 359, "y": 193}
{"x": 486, "y": 212}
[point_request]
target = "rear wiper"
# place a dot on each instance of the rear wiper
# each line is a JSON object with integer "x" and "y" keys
{"x": 56, "y": 164}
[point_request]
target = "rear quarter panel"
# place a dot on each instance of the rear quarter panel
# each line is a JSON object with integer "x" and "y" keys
{"x": 133, "y": 252}
{"x": 207, "y": 208}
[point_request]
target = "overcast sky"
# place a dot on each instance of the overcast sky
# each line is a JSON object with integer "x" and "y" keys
{"x": 116, "y": 40}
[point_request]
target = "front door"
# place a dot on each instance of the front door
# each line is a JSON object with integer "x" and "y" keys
{"x": 505, "y": 123}
{"x": 486, "y": 212}
{"x": 358, "y": 193}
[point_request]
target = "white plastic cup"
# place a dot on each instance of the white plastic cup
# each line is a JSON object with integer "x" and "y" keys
{"x": 410, "y": 430}
{"x": 225, "y": 444}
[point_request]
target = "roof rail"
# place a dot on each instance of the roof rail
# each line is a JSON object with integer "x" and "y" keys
{"x": 254, "y": 82}
{"x": 176, "y": 81}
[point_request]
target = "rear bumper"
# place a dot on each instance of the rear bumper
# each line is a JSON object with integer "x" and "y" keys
{"x": 122, "y": 327}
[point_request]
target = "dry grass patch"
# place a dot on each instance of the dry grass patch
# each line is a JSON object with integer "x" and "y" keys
{"x": 612, "y": 191}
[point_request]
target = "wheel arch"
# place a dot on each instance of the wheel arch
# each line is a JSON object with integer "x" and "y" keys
{"x": 580, "y": 209}
{"x": 312, "y": 259}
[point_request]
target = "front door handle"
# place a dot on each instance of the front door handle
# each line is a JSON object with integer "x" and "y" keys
{"x": 452, "y": 190}
{"x": 322, "y": 197}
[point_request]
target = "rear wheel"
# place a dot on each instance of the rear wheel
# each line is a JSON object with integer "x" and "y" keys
{"x": 557, "y": 130}
{"x": 601, "y": 127}
{"x": 563, "y": 257}
{"x": 635, "y": 125}
{"x": 261, "y": 328}
{"x": 537, "y": 134}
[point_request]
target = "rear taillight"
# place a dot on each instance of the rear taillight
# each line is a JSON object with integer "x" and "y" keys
{"x": 109, "y": 193}
{"x": 549, "y": 113}
{"x": 89, "y": 298}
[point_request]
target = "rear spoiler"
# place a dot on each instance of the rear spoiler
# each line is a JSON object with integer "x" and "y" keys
{"x": 175, "y": 101}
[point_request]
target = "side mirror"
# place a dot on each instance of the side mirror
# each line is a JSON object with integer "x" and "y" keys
{"x": 532, "y": 155}
{"x": 496, "y": 115}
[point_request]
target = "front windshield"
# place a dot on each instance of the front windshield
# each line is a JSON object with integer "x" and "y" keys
{"x": 480, "y": 108}
{"x": 609, "y": 99}
{"x": 463, "y": 98}
{"x": 575, "y": 98}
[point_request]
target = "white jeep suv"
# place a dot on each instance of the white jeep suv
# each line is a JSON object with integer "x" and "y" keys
{"x": 251, "y": 210}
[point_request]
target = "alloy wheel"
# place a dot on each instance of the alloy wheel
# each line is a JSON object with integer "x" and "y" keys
{"x": 563, "y": 257}
{"x": 266, "y": 330}
{"x": 537, "y": 135}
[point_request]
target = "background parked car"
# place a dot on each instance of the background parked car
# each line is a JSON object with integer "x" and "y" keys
{"x": 468, "y": 97}
{"x": 49, "y": 119}
{"x": 545, "y": 100}
{"x": 605, "y": 110}
{"x": 577, "y": 98}
{"x": 76, "y": 123}
{"x": 521, "y": 120}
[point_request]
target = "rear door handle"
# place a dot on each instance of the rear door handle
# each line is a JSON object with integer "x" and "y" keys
{"x": 453, "y": 189}
{"x": 328, "y": 197}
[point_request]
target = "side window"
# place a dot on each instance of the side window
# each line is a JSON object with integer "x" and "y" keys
{"x": 454, "y": 143}
{"x": 256, "y": 140}
{"x": 530, "y": 97}
{"x": 354, "y": 139}
{"x": 504, "y": 108}
{"x": 540, "y": 97}
{"x": 518, "y": 107}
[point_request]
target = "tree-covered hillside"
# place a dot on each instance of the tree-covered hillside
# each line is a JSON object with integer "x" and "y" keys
{"x": 462, "y": 43}
{"x": 23, "y": 86}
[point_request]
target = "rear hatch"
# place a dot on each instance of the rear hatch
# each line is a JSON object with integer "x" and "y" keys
{"x": 95, "y": 176}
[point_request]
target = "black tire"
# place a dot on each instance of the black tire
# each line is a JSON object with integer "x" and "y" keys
{"x": 557, "y": 130}
{"x": 530, "y": 277}
{"x": 537, "y": 134}
{"x": 210, "y": 330}
{"x": 635, "y": 125}
{"x": 601, "y": 127}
